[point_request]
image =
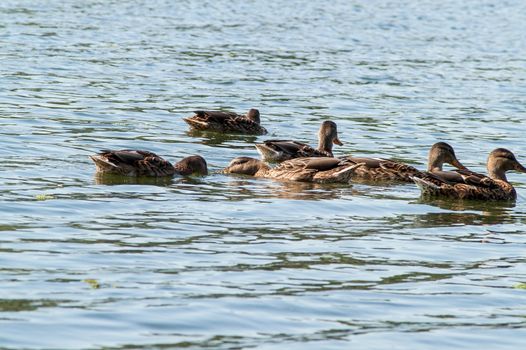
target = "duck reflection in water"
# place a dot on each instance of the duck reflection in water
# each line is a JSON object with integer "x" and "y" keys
{"x": 112, "y": 179}
{"x": 286, "y": 190}
{"x": 211, "y": 138}
{"x": 465, "y": 212}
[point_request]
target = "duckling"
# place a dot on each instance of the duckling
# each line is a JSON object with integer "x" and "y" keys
{"x": 227, "y": 122}
{"x": 145, "y": 163}
{"x": 310, "y": 169}
{"x": 280, "y": 150}
{"x": 377, "y": 169}
{"x": 465, "y": 184}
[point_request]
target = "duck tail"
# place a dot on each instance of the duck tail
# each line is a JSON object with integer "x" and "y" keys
{"x": 196, "y": 124}
{"x": 351, "y": 168}
{"x": 424, "y": 185}
{"x": 348, "y": 172}
{"x": 268, "y": 153}
{"x": 102, "y": 164}
{"x": 343, "y": 175}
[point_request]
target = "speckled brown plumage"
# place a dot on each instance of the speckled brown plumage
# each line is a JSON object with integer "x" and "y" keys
{"x": 471, "y": 188}
{"x": 227, "y": 122}
{"x": 382, "y": 169}
{"x": 319, "y": 170}
{"x": 465, "y": 184}
{"x": 145, "y": 163}
{"x": 281, "y": 150}
{"x": 377, "y": 169}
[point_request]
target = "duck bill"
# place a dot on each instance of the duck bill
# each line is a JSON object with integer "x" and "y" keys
{"x": 520, "y": 168}
{"x": 458, "y": 165}
{"x": 337, "y": 141}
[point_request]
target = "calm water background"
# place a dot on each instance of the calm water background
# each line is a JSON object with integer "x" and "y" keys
{"x": 226, "y": 262}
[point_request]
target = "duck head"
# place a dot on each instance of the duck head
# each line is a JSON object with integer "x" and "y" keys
{"x": 327, "y": 136}
{"x": 500, "y": 161}
{"x": 253, "y": 114}
{"x": 245, "y": 166}
{"x": 192, "y": 165}
{"x": 441, "y": 153}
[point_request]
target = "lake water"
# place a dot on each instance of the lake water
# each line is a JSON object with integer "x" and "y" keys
{"x": 224, "y": 262}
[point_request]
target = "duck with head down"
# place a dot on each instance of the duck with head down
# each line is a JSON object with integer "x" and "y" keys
{"x": 145, "y": 163}
{"x": 310, "y": 169}
{"x": 465, "y": 184}
{"x": 280, "y": 150}
{"x": 377, "y": 169}
{"x": 227, "y": 122}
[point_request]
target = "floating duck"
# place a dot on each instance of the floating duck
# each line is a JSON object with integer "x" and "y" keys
{"x": 310, "y": 169}
{"x": 377, "y": 169}
{"x": 465, "y": 184}
{"x": 227, "y": 122}
{"x": 280, "y": 150}
{"x": 145, "y": 163}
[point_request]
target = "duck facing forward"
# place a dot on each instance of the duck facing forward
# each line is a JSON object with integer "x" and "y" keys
{"x": 377, "y": 169}
{"x": 280, "y": 150}
{"x": 227, "y": 122}
{"x": 145, "y": 163}
{"x": 464, "y": 184}
{"x": 311, "y": 169}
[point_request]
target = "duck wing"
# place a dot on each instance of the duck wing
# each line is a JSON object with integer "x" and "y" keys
{"x": 132, "y": 163}
{"x": 126, "y": 156}
{"x": 380, "y": 169}
{"x": 217, "y": 116}
{"x": 321, "y": 163}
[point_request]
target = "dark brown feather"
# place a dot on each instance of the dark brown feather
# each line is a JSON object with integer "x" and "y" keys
{"x": 378, "y": 169}
{"x": 468, "y": 185}
{"x": 132, "y": 163}
{"x": 224, "y": 122}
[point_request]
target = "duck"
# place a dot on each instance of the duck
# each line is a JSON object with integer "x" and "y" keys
{"x": 465, "y": 184}
{"x": 378, "y": 169}
{"x": 144, "y": 163}
{"x": 280, "y": 150}
{"x": 227, "y": 122}
{"x": 308, "y": 169}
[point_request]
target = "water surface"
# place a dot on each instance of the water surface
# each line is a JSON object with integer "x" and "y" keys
{"x": 228, "y": 262}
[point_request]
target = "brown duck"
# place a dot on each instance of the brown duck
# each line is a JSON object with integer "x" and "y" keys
{"x": 144, "y": 163}
{"x": 377, "y": 169}
{"x": 280, "y": 150}
{"x": 227, "y": 122}
{"x": 464, "y": 184}
{"x": 311, "y": 169}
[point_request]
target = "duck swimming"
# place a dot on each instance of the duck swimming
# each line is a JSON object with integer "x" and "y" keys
{"x": 377, "y": 169}
{"x": 227, "y": 122}
{"x": 145, "y": 163}
{"x": 280, "y": 150}
{"x": 465, "y": 184}
{"x": 310, "y": 169}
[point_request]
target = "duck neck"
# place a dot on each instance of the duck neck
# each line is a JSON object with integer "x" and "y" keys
{"x": 434, "y": 165}
{"x": 497, "y": 174}
{"x": 325, "y": 144}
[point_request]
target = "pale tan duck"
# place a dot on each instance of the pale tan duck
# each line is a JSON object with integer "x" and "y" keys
{"x": 280, "y": 150}
{"x": 465, "y": 184}
{"x": 145, "y": 163}
{"x": 377, "y": 169}
{"x": 310, "y": 169}
{"x": 227, "y": 122}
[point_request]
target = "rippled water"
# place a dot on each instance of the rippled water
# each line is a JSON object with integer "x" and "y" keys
{"x": 228, "y": 262}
